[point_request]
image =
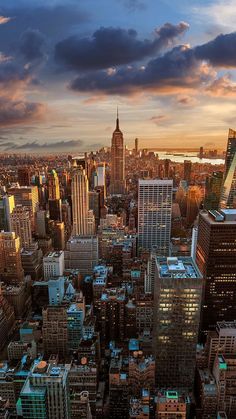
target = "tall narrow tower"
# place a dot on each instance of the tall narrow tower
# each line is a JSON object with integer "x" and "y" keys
{"x": 82, "y": 217}
{"x": 228, "y": 195}
{"x": 117, "y": 161}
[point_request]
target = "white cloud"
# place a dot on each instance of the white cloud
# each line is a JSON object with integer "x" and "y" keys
{"x": 220, "y": 12}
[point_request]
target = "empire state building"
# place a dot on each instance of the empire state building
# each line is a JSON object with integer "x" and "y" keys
{"x": 117, "y": 161}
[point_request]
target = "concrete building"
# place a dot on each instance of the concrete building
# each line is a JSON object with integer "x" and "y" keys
{"x": 228, "y": 194}
{"x": 154, "y": 215}
{"x": 11, "y": 271}
{"x": 53, "y": 264}
{"x": 7, "y": 204}
{"x": 177, "y": 305}
{"x": 83, "y": 223}
{"x": 216, "y": 259}
{"x": 82, "y": 253}
{"x": 27, "y": 196}
{"x": 45, "y": 394}
{"x": 21, "y": 225}
{"x": 55, "y": 330}
{"x": 141, "y": 373}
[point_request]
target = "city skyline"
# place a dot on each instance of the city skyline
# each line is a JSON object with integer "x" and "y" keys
{"x": 172, "y": 82}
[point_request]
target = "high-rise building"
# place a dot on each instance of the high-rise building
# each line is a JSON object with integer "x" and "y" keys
{"x": 216, "y": 259}
{"x": 24, "y": 177}
{"x": 154, "y": 214}
{"x": 82, "y": 220}
{"x": 21, "y": 225}
{"x": 11, "y": 270}
{"x": 27, "y": 196}
{"x": 53, "y": 265}
{"x": 187, "y": 170}
{"x": 194, "y": 198}
{"x": 53, "y": 185}
{"x": 136, "y": 146}
{"x": 55, "y": 209}
{"x": 82, "y": 253}
{"x": 117, "y": 186}
{"x": 172, "y": 405}
{"x": 228, "y": 195}
{"x": 213, "y": 191}
{"x": 45, "y": 394}
{"x": 55, "y": 331}
{"x": 177, "y": 305}
{"x": 7, "y": 204}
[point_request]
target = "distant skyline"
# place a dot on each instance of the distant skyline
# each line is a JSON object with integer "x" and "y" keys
{"x": 66, "y": 65}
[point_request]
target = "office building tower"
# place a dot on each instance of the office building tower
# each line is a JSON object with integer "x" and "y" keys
{"x": 11, "y": 270}
{"x": 194, "y": 199}
{"x": 45, "y": 394}
{"x": 55, "y": 209}
{"x": 7, "y": 204}
{"x": 187, "y": 171}
{"x": 7, "y": 320}
{"x": 228, "y": 195}
{"x": 75, "y": 319}
{"x": 53, "y": 265}
{"x": 117, "y": 186}
{"x": 82, "y": 253}
{"x": 167, "y": 168}
{"x": 201, "y": 152}
{"x": 32, "y": 261}
{"x": 24, "y": 176}
{"x": 55, "y": 330}
{"x": 53, "y": 185}
{"x": 94, "y": 205}
{"x": 21, "y": 225}
{"x": 216, "y": 259}
{"x": 28, "y": 197}
{"x": 41, "y": 223}
{"x": 141, "y": 373}
{"x": 56, "y": 231}
{"x": 213, "y": 191}
{"x": 136, "y": 146}
{"x": 101, "y": 172}
{"x": 154, "y": 214}
{"x": 80, "y": 203}
{"x": 177, "y": 305}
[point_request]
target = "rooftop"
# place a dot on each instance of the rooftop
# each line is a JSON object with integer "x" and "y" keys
{"x": 177, "y": 267}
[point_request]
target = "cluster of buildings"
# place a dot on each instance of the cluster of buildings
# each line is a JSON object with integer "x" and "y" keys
{"x": 117, "y": 291}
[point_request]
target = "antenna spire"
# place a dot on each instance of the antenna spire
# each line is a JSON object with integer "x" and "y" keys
{"x": 117, "y": 119}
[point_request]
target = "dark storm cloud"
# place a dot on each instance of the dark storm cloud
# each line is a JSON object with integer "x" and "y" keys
{"x": 32, "y": 45}
{"x": 35, "y": 146}
{"x": 18, "y": 111}
{"x": 52, "y": 21}
{"x": 114, "y": 46}
{"x": 176, "y": 68}
{"x": 220, "y": 52}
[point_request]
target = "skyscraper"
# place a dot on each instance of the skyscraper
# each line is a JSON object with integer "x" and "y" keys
{"x": 228, "y": 196}
{"x": 213, "y": 190}
{"x": 117, "y": 186}
{"x": 187, "y": 170}
{"x": 7, "y": 204}
{"x": 21, "y": 225}
{"x": 154, "y": 214}
{"x": 80, "y": 203}
{"x": 53, "y": 185}
{"x": 177, "y": 305}
{"x": 11, "y": 270}
{"x": 216, "y": 259}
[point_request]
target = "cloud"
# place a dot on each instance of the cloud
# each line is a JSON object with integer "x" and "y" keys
{"x": 35, "y": 146}
{"x": 4, "y": 19}
{"x": 110, "y": 47}
{"x": 176, "y": 70}
{"x": 18, "y": 112}
{"x": 32, "y": 45}
{"x": 220, "y": 52}
{"x": 186, "y": 100}
{"x": 223, "y": 86}
{"x": 159, "y": 119}
{"x": 219, "y": 12}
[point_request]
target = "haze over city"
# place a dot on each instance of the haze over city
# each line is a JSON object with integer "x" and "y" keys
{"x": 170, "y": 69}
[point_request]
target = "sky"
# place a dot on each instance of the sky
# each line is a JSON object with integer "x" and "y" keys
{"x": 65, "y": 66}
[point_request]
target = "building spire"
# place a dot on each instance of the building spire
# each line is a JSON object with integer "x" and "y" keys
{"x": 117, "y": 120}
